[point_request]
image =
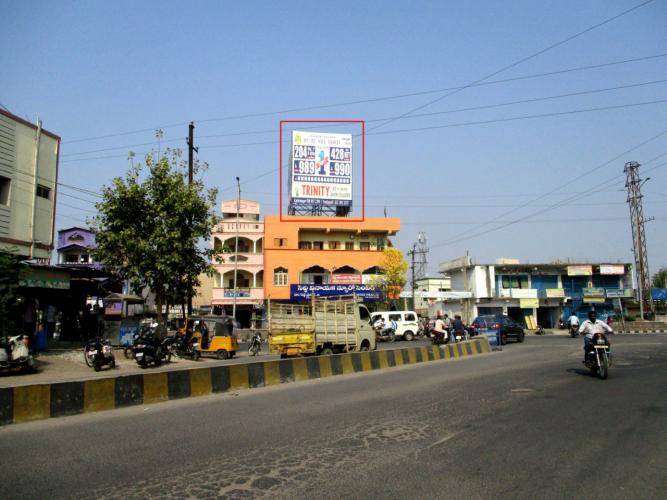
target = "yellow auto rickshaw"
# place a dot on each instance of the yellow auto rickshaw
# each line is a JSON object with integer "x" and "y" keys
{"x": 215, "y": 333}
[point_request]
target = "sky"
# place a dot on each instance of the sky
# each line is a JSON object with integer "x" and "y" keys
{"x": 494, "y": 181}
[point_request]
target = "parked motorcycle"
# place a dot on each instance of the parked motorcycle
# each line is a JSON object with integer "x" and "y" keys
{"x": 149, "y": 350}
{"x": 183, "y": 347}
{"x": 97, "y": 353}
{"x": 255, "y": 346}
{"x": 598, "y": 355}
{"x": 574, "y": 331}
{"x": 14, "y": 355}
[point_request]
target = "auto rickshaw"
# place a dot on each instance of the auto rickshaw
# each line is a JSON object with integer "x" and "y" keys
{"x": 216, "y": 335}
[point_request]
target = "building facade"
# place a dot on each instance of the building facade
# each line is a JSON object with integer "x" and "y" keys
{"x": 28, "y": 181}
{"x": 247, "y": 260}
{"x": 326, "y": 254}
{"x": 428, "y": 291}
{"x": 75, "y": 247}
{"x": 535, "y": 294}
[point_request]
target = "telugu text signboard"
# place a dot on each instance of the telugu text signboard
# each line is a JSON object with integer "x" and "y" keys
{"x": 579, "y": 270}
{"x": 321, "y": 168}
{"x": 305, "y": 292}
{"x": 621, "y": 293}
{"x": 346, "y": 279}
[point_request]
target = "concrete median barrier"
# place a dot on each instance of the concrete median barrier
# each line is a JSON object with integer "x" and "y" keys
{"x": 40, "y": 401}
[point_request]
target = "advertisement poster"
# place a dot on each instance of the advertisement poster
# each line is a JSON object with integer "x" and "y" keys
{"x": 612, "y": 269}
{"x": 345, "y": 279}
{"x": 529, "y": 303}
{"x": 579, "y": 270}
{"x": 321, "y": 167}
{"x": 305, "y": 292}
{"x": 555, "y": 293}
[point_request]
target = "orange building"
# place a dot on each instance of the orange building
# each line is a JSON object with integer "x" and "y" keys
{"x": 327, "y": 251}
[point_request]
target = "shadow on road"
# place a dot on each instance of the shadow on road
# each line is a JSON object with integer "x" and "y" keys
{"x": 580, "y": 371}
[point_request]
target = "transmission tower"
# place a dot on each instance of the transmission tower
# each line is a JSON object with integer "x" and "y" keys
{"x": 633, "y": 184}
{"x": 418, "y": 262}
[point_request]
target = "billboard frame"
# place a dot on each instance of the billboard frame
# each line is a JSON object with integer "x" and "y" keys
{"x": 363, "y": 173}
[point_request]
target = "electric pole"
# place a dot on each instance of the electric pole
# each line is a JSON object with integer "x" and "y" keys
{"x": 236, "y": 246}
{"x": 417, "y": 264}
{"x": 191, "y": 150}
{"x": 633, "y": 184}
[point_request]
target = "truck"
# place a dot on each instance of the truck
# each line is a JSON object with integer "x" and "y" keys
{"x": 328, "y": 325}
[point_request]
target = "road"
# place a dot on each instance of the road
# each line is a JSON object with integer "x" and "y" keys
{"x": 527, "y": 422}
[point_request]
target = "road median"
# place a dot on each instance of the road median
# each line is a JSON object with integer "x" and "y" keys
{"x": 40, "y": 401}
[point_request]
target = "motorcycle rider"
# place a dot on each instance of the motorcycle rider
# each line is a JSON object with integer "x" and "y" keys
{"x": 573, "y": 321}
{"x": 378, "y": 325}
{"x": 590, "y": 327}
{"x": 459, "y": 328}
{"x": 439, "y": 329}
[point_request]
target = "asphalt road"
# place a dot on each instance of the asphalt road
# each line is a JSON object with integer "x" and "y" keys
{"x": 527, "y": 422}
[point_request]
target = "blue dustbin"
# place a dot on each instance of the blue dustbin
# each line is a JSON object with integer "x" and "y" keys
{"x": 40, "y": 340}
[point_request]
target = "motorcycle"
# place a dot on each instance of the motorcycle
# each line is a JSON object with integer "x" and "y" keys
{"x": 574, "y": 331}
{"x": 97, "y": 353}
{"x": 424, "y": 328}
{"x": 183, "y": 347}
{"x": 598, "y": 355}
{"x": 149, "y": 350}
{"x": 255, "y": 346}
{"x": 439, "y": 338}
{"x": 14, "y": 354}
{"x": 385, "y": 334}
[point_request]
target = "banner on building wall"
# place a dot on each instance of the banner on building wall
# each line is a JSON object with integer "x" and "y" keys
{"x": 345, "y": 279}
{"x": 579, "y": 270}
{"x": 32, "y": 277}
{"x": 623, "y": 293}
{"x": 659, "y": 293}
{"x": 593, "y": 292}
{"x": 321, "y": 167}
{"x": 555, "y": 293}
{"x": 594, "y": 300}
{"x": 424, "y": 294}
{"x": 529, "y": 303}
{"x": 612, "y": 269}
{"x": 523, "y": 293}
{"x": 305, "y": 292}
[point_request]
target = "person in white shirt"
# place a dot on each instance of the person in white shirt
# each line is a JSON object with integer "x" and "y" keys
{"x": 573, "y": 320}
{"x": 440, "y": 328}
{"x": 592, "y": 326}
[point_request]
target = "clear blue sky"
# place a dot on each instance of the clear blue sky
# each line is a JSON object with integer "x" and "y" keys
{"x": 97, "y": 68}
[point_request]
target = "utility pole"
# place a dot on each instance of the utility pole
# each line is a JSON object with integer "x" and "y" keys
{"x": 417, "y": 263}
{"x": 236, "y": 246}
{"x": 191, "y": 167}
{"x": 633, "y": 184}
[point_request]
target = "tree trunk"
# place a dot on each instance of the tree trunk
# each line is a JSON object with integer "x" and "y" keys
{"x": 159, "y": 300}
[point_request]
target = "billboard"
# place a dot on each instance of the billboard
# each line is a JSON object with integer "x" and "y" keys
{"x": 612, "y": 269}
{"x": 321, "y": 168}
{"x": 306, "y": 291}
{"x": 579, "y": 270}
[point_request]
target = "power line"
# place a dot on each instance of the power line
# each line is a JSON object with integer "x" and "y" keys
{"x": 418, "y": 115}
{"x": 518, "y": 62}
{"x": 419, "y": 129}
{"x": 371, "y": 99}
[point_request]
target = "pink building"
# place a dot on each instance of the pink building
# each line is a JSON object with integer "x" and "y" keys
{"x": 248, "y": 259}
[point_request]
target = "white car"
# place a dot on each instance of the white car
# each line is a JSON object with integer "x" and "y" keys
{"x": 406, "y": 321}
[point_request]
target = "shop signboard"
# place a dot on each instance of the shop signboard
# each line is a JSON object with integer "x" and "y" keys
{"x": 321, "y": 168}
{"x": 622, "y": 293}
{"x": 594, "y": 300}
{"x": 580, "y": 270}
{"x": 612, "y": 269}
{"x": 593, "y": 292}
{"x": 345, "y": 279}
{"x": 306, "y": 291}
{"x": 44, "y": 278}
{"x": 529, "y": 303}
{"x": 659, "y": 293}
{"x": 239, "y": 293}
{"x": 523, "y": 293}
{"x": 555, "y": 293}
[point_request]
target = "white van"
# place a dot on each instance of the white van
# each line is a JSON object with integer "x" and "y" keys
{"x": 407, "y": 322}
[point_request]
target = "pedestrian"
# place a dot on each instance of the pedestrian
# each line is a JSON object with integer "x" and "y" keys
{"x": 50, "y": 317}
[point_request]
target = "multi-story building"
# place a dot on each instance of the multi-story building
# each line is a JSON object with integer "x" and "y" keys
{"x": 428, "y": 291}
{"x": 75, "y": 247}
{"x": 247, "y": 260}
{"x": 535, "y": 293}
{"x": 324, "y": 255}
{"x": 28, "y": 180}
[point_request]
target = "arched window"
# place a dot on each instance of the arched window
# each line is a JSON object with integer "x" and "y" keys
{"x": 280, "y": 276}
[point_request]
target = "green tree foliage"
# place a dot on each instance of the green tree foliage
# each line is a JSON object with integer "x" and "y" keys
{"x": 660, "y": 278}
{"x": 10, "y": 267}
{"x": 392, "y": 280}
{"x": 150, "y": 224}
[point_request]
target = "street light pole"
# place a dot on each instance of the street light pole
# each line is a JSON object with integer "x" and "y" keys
{"x": 236, "y": 247}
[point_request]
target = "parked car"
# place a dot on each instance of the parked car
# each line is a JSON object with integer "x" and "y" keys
{"x": 406, "y": 321}
{"x": 490, "y": 324}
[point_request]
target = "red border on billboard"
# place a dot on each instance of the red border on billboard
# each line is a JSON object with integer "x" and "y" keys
{"x": 363, "y": 172}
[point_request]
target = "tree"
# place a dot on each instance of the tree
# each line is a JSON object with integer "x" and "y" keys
{"x": 10, "y": 267}
{"x": 660, "y": 278}
{"x": 150, "y": 224}
{"x": 393, "y": 268}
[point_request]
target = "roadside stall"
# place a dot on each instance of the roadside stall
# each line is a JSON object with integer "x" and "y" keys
{"x": 122, "y": 317}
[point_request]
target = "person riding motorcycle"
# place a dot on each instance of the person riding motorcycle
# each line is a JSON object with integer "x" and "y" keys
{"x": 440, "y": 329}
{"x": 590, "y": 327}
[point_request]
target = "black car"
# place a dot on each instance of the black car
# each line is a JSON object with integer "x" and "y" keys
{"x": 490, "y": 324}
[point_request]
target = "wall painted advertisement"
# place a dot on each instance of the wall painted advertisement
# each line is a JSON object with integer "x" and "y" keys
{"x": 321, "y": 167}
